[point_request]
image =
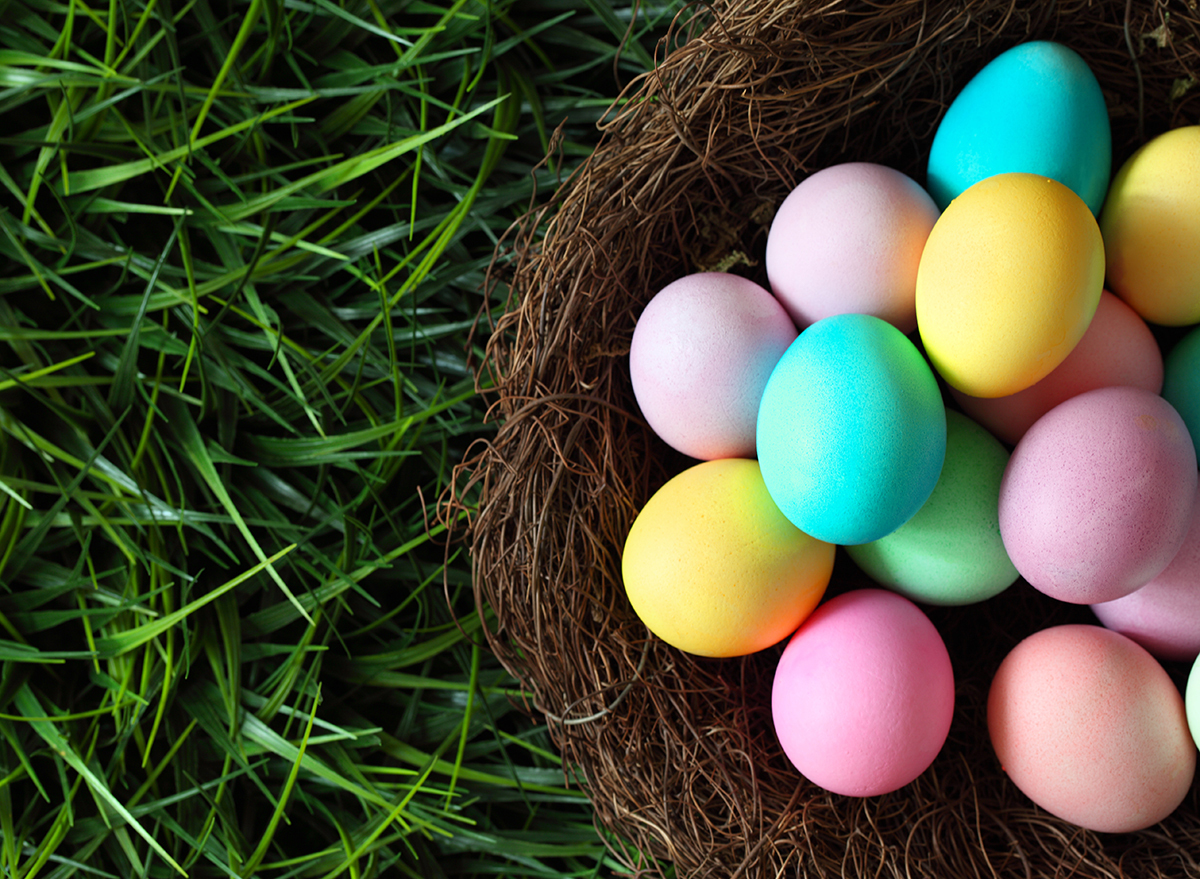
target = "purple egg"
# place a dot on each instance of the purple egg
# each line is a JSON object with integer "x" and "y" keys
{"x": 1097, "y": 496}
{"x": 1164, "y": 615}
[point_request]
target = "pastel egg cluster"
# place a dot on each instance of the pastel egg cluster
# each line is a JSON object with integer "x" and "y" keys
{"x": 938, "y": 380}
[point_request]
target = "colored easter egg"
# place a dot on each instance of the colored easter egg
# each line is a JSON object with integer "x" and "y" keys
{"x": 1036, "y": 108}
{"x": 713, "y": 568}
{"x": 863, "y": 694}
{"x": 1191, "y": 700}
{"x": 1097, "y": 496}
{"x": 849, "y": 239}
{"x": 1009, "y": 280}
{"x": 701, "y": 353}
{"x": 1164, "y": 615}
{"x": 1181, "y": 380}
{"x": 1116, "y": 349}
{"x": 1090, "y": 727}
{"x": 950, "y": 552}
{"x": 851, "y": 430}
{"x": 1151, "y": 226}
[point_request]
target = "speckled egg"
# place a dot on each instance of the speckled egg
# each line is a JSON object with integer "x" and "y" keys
{"x": 863, "y": 694}
{"x": 713, "y": 568}
{"x": 849, "y": 239}
{"x": 1164, "y": 615}
{"x": 1090, "y": 727}
{"x": 851, "y": 430}
{"x": 950, "y": 552}
{"x": 1117, "y": 349}
{"x": 701, "y": 353}
{"x": 1009, "y": 280}
{"x": 1097, "y": 496}
{"x": 1151, "y": 223}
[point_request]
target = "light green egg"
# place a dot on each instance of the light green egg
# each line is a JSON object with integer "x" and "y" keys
{"x": 950, "y": 552}
{"x": 1191, "y": 701}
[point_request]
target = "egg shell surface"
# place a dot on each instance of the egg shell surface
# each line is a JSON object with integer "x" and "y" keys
{"x": 1181, "y": 381}
{"x": 849, "y": 238}
{"x": 713, "y": 568}
{"x": 1164, "y": 615}
{"x": 1116, "y": 349}
{"x": 863, "y": 694}
{"x": 851, "y": 430}
{"x": 1035, "y": 108}
{"x": 1151, "y": 226}
{"x": 1097, "y": 496}
{"x": 701, "y": 354}
{"x": 1009, "y": 280}
{"x": 1090, "y": 727}
{"x": 1191, "y": 700}
{"x": 950, "y": 552}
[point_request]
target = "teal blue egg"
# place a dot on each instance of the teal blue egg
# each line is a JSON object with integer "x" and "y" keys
{"x": 950, "y": 553}
{"x": 1036, "y": 108}
{"x": 851, "y": 431}
{"x": 1181, "y": 381}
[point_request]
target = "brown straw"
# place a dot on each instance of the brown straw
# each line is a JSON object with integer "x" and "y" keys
{"x": 678, "y": 753}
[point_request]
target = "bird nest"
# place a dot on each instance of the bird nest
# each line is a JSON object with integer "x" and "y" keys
{"x": 678, "y": 753}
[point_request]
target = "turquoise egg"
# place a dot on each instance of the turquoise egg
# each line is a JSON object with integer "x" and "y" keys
{"x": 1035, "y": 108}
{"x": 1181, "y": 381}
{"x": 851, "y": 430}
{"x": 950, "y": 552}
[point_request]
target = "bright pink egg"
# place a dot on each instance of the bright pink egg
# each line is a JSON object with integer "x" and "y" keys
{"x": 1097, "y": 496}
{"x": 1090, "y": 727}
{"x": 701, "y": 354}
{"x": 863, "y": 694}
{"x": 848, "y": 240}
{"x": 1117, "y": 349}
{"x": 1164, "y": 615}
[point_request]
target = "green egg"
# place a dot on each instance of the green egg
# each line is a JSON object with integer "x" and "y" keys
{"x": 950, "y": 552}
{"x": 1191, "y": 701}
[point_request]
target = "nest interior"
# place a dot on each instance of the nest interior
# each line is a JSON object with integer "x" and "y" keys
{"x": 676, "y": 752}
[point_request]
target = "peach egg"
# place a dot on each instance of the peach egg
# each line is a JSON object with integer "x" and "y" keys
{"x": 1117, "y": 349}
{"x": 1090, "y": 727}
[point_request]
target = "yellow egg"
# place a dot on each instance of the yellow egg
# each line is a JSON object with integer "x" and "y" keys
{"x": 1151, "y": 228}
{"x": 713, "y": 567}
{"x": 1009, "y": 280}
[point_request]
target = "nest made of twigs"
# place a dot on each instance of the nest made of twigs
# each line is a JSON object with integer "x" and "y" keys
{"x": 678, "y": 753}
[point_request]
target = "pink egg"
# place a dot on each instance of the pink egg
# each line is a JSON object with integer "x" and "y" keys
{"x": 1117, "y": 349}
{"x": 1090, "y": 727}
{"x": 701, "y": 354}
{"x": 863, "y": 694}
{"x": 1164, "y": 615}
{"x": 1097, "y": 496}
{"x": 848, "y": 239}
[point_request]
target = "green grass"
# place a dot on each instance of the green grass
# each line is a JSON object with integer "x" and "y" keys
{"x": 241, "y": 249}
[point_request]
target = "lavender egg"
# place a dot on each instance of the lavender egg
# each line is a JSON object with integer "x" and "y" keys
{"x": 1097, "y": 496}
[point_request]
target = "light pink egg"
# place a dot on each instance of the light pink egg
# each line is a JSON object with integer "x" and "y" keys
{"x": 1117, "y": 349}
{"x": 1097, "y": 496}
{"x": 1164, "y": 615}
{"x": 701, "y": 354}
{"x": 1090, "y": 727}
{"x": 863, "y": 694}
{"x": 848, "y": 239}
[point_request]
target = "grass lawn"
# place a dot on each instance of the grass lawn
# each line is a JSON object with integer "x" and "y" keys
{"x": 241, "y": 253}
